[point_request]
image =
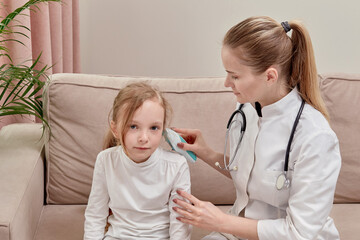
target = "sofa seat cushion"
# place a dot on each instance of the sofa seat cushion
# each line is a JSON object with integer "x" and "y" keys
{"x": 60, "y": 222}
{"x": 347, "y": 218}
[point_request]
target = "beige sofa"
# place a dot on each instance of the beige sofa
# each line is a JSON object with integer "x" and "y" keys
{"x": 44, "y": 187}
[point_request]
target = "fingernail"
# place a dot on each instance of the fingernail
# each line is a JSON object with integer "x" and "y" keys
{"x": 174, "y": 208}
{"x": 180, "y": 145}
{"x": 175, "y": 200}
{"x": 179, "y": 191}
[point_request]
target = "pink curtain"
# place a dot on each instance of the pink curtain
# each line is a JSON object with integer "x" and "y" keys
{"x": 54, "y": 33}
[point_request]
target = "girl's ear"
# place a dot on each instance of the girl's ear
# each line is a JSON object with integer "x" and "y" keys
{"x": 114, "y": 130}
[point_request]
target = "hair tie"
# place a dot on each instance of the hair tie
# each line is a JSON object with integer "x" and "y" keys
{"x": 286, "y": 26}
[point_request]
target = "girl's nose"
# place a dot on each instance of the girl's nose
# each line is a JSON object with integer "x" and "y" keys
{"x": 143, "y": 138}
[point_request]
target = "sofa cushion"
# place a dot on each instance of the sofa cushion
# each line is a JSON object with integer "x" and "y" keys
{"x": 346, "y": 218}
{"x": 77, "y": 108}
{"x": 341, "y": 94}
{"x": 55, "y": 218}
{"x": 60, "y": 222}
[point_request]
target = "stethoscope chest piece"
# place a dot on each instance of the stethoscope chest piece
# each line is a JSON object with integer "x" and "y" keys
{"x": 282, "y": 182}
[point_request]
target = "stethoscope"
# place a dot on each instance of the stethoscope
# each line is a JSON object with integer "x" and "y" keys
{"x": 282, "y": 181}
{"x": 242, "y": 131}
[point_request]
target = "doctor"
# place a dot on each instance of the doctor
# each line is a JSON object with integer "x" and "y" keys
{"x": 287, "y": 164}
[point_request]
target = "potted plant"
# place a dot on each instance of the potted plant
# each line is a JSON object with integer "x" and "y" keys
{"x": 20, "y": 84}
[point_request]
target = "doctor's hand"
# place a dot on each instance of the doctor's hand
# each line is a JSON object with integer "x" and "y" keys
{"x": 207, "y": 216}
{"x": 199, "y": 213}
{"x": 194, "y": 142}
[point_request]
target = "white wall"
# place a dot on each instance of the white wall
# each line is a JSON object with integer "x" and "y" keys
{"x": 183, "y": 37}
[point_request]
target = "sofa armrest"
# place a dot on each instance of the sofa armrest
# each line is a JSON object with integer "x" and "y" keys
{"x": 21, "y": 180}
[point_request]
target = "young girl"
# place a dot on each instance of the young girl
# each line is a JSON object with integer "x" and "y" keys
{"x": 133, "y": 177}
{"x": 287, "y": 164}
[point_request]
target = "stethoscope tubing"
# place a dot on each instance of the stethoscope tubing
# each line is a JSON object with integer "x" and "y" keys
{"x": 242, "y": 131}
{"x": 239, "y": 110}
{"x": 286, "y": 164}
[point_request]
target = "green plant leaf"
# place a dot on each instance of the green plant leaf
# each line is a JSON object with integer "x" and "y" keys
{"x": 21, "y": 84}
{"x": 5, "y": 87}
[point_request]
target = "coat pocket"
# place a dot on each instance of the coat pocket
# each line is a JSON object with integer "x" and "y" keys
{"x": 278, "y": 198}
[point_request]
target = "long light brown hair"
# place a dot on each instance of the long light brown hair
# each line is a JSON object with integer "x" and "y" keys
{"x": 262, "y": 42}
{"x": 128, "y": 100}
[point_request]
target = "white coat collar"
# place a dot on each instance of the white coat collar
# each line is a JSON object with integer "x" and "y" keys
{"x": 284, "y": 106}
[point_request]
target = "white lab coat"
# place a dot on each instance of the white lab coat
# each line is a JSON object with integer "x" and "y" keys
{"x": 302, "y": 211}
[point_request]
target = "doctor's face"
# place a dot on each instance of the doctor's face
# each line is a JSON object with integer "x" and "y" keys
{"x": 246, "y": 85}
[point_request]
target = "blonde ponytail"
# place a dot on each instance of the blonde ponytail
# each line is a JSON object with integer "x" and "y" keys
{"x": 303, "y": 68}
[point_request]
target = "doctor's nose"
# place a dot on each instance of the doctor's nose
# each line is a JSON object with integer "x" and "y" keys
{"x": 228, "y": 82}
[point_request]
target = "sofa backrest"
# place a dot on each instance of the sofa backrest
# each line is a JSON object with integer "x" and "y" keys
{"x": 341, "y": 93}
{"x": 77, "y": 108}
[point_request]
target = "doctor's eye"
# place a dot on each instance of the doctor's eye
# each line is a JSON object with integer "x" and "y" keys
{"x": 234, "y": 77}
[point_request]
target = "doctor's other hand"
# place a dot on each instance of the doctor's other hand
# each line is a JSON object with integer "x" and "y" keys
{"x": 194, "y": 142}
{"x": 199, "y": 213}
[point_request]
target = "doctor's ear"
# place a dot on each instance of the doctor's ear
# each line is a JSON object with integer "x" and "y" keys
{"x": 271, "y": 75}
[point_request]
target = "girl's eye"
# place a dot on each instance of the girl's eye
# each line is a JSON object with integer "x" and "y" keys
{"x": 154, "y": 128}
{"x": 132, "y": 126}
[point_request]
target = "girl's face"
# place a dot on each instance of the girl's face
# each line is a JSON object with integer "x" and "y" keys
{"x": 246, "y": 85}
{"x": 144, "y": 132}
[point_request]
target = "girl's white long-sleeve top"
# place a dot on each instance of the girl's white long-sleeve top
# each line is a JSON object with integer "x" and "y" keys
{"x": 140, "y": 196}
{"x": 301, "y": 211}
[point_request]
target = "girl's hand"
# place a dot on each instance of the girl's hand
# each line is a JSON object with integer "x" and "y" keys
{"x": 195, "y": 142}
{"x": 199, "y": 213}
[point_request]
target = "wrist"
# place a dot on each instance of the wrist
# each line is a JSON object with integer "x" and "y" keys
{"x": 212, "y": 156}
{"x": 223, "y": 226}
{"x": 240, "y": 227}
